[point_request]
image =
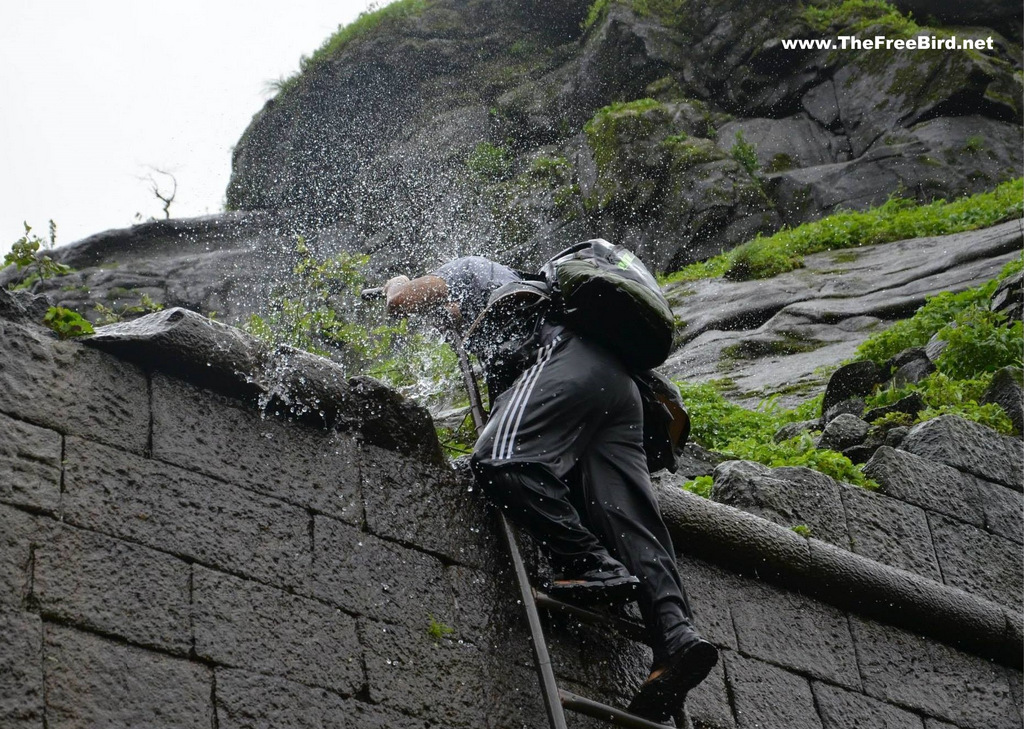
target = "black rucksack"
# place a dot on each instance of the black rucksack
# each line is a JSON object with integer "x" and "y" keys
{"x": 605, "y": 292}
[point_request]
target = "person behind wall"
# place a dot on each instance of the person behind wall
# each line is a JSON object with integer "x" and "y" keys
{"x": 563, "y": 454}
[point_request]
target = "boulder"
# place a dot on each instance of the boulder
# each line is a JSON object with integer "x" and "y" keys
{"x": 1005, "y": 391}
{"x": 895, "y": 436}
{"x": 844, "y": 431}
{"x": 911, "y": 405}
{"x": 789, "y": 496}
{"x": 969, "y": 447}
{"x": 23, "y": 306}
{"x": 1009, "y": 297}
{"x": 856, "y": 379}
{"x": 850, "y": 406}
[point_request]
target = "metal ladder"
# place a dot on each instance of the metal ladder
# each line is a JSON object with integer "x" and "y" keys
{"x": 556, "y": 700}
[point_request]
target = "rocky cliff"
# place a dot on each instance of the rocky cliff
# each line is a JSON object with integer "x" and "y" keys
{"x": 514, "y": 128}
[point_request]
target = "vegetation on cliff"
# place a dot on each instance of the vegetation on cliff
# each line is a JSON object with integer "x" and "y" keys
{"x": 978, "y": 343}
{"x": 897, "y": 219}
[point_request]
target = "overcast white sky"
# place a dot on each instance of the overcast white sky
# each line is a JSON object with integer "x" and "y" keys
{"x": 94, "y": 94}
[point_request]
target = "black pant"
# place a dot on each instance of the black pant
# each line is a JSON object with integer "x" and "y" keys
{"x": 563, "y": 454}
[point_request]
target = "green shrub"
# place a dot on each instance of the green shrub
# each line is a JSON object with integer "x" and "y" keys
{"x": 979, "y": 341}
{"x": 701, "y": 486}
{"x": 737, "y": 432}
{"x": 743, "y": 152}
{"x": 935, "y": 316}
{"x": 859, "y": 15}
{"x": 896, "y": 219}
{"x": 489, "y": 161}
{"x": 944, "y": 395}
{"x": 319, "y": 310}
{"x": 66, "y": 323}
{"x": 25, "y": 253}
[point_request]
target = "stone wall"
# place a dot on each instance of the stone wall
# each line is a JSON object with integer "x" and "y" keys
{"x": 172, "y": 557}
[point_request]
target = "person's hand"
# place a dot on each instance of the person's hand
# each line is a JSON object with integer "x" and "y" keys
{"x": 393, "y": 283}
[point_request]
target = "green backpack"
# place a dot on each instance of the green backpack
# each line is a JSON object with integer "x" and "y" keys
{"x": 605, "y": 292}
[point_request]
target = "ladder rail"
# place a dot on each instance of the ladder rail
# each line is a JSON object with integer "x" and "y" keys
{"x": 541, "y": 657}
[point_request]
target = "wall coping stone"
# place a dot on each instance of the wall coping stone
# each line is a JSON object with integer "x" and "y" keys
{"x": 310, "y": 388}
{"x": 755, "y": 546}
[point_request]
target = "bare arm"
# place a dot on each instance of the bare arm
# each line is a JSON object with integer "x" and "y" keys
{"x": 407, "y": 296}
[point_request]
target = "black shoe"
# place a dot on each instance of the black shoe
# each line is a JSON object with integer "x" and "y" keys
{"x": 594, "y": 587}
{"x": 663, "y": 697}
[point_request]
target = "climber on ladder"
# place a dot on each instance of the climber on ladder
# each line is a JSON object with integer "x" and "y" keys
{"x": 563, "y": 454}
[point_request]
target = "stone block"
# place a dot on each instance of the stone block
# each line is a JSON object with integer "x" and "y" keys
{"x": 1003, "y": 509}
{"x": 844, "y": 431}
{"x": 841, "y": 709}
{"x": 971, "y": 448}
{"x": 978, "y": 562}
{"x": 890, "y": 531}
{"x": 436, "y": 680}
{"x": 766, "y": 696}
{"x": 513, "y": 699}
{"x": 1016, "y": 680}
{"x": 186, "y": 514}
{"x": 711, "y": 590}
{"x": 924, "y": 675}
{"x": 485, "y": 603}
{"x": 224, "y": 438}
{"x": 71, "y": 388}
{"x": 21, "y": 669}
{"x": 788, "y": 496}
{"x": 29, "y": 465}
{"x": 240, "y": 623}
{"x": 248, "y": 700}
{"x": 18, "y": 530}
{"x": 707, "y": 706}
{"x": 371, "y": 576}
{"x": 922, "y": 482}
{"x": 114, "y": 587}
{"x": 92, "y": 682}
{"x": 795, "y": 631}
{"x": 429, "y": 507}
{"x": 597, "y": 657}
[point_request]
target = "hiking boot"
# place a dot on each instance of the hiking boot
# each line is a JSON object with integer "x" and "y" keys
{"x": 663, "y": 694}
{"x": 594, "y": 587}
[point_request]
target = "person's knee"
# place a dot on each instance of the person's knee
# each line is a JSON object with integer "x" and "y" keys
{"x": 498, "y": 483}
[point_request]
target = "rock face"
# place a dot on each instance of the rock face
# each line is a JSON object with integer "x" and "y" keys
{"x": 739, "y": 135}
{"x": 777, "y": 334}
{"x": 505, "y": 128}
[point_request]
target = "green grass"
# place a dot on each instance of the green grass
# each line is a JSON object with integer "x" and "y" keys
{"x": 363, "y": 24}
{"x": 935, "y": 316}
{"x": 896, "y": 219}
{"x": 859, "y": 15}
{"x": 737, "y": 432}
{"x": 979, "y": 342}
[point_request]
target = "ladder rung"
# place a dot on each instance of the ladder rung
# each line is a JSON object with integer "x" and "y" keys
{"x": 604, "y": 712}
{"x": 628, "y": 628}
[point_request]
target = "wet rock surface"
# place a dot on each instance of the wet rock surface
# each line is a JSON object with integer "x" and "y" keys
{"x": 806, "y": 321}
